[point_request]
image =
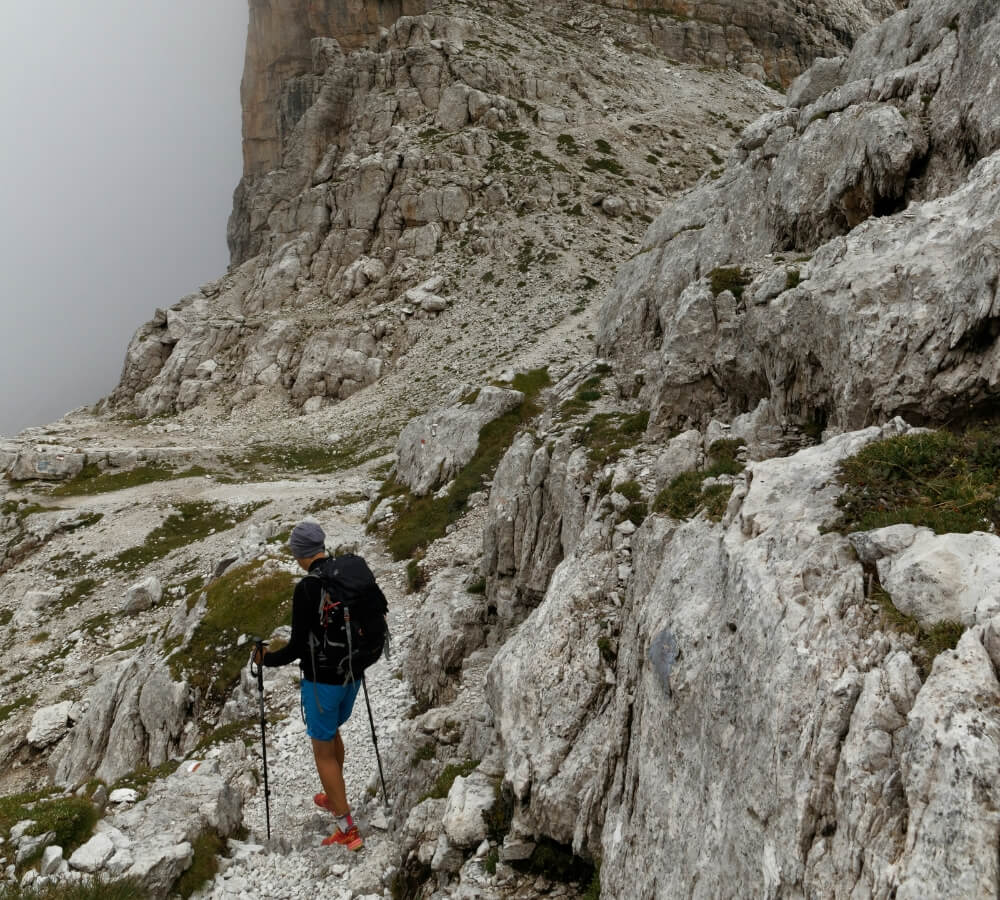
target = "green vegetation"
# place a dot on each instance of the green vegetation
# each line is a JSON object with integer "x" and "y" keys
{"x": 94, "y": 480}
{"x": 585, "y": 394}
{"x": 606, "y": 649}
{"x": 20, "y": 703}
{"x": 420, "y": 520}
{"x": 929, "y": 641}
{"x": 78, "y": 593}
{"x": 604, "y": 164}
{"x": 89, "y": 889}
{"x": 793, "y": 278}
{"x": 607, "y": 434}
{"x": 594, "y": 888}
{"x": 567, "y": 144}
{"x": 729, "y": 278}
{"x": 21, "y": 509}
{"x": 477, "y": 587}
{"x": 254, "y": 600}
{"x": 72, "y": 819}
{"x": 489, "y": 864}
{"x": 143, "y": 777}
{"x": 447, "y": 778}
{"x": 316, "y": 459}
{"x": 192, "y": 522}
{"x": 637, "y": 509}
{"x": 685, "y": 496}
{"x": 5, "y": 616}
{"x": 208, "y": 846}
{"x": 946, "y": 481}
{"x": 225, "y": 733}
{"x": 603, "y": 146}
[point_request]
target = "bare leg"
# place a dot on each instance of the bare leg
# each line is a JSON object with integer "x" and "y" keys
{"x": 331, "y": 774}
{"x": 338, "y": 749}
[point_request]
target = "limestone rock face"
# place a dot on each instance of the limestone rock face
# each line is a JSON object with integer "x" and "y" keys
{"x": 536, "y": 514}
{"x": 841, "y": 233}
{"x": 433, "y": 448}
{"x": 136, "y": 717}
{"x": 280, "y": 48}
{"x": 748, "y": 687}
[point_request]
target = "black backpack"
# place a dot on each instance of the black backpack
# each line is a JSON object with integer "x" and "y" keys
{"x": 351, "y": 631}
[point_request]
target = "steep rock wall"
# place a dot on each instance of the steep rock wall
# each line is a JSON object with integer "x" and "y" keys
{"x": 279, "y": 49}
{"x": 890, "y": 154}
{"x": 757, "y": 732}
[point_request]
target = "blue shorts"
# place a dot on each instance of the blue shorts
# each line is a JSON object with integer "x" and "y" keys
{"x": 327, "y": 707}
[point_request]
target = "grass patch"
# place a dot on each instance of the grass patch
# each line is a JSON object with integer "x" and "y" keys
{"x": 20, "y": 703}
{"x": 78, "y": 593}
{"x": 607, "y": 434}
{"x": 252, "y": 600}
{"x": 446, "y": 779}
{"x": 949, "y": 482}
{"x": 193, "y": 521}
{"x": 567, "y": 144}
{"x": 729, "y": 278}
{"x": 420, "y": 520}
{"x": 208, "y": 846}
{"x": 425, "y": 752}
{"x": 930, "y": 641}
{"x": 586, "y": 393}
{"x": 793, "y": 278}
{"x": 490, "y": 863}
{"x": 144, "y": 776}
{"x": 5, "y": 616}
{"x": 98, "y": 888}
{"x": 604, "y": 164}
{"x": 477, "y": 587}
{"x": 94, "y": 480}
{"x": 685, "y": 496}
{"x": 72, "y": 819}
{"x": 637, "y": 509}
{"x": 315, "y": 459}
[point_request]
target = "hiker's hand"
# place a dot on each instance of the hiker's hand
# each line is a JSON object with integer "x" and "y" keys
{"x": 258, "y": 655}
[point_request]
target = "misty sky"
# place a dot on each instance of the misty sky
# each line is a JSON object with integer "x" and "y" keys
{"x": 120, "y": 149}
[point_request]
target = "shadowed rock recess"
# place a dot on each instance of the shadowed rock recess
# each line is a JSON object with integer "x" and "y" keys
{"x": 695, "y": 381}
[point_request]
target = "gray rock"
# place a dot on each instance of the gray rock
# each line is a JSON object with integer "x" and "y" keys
{"x": 823, "y": 76}
{"x": 52, "y": 860}
{"x": 91, "y": 856}
{"x": 49, "y": 724}
{"x": 49, "y": 463}
{"x": 29, "y": 845}
{"x": 434, "y": 447}
{"x": 34, "y": 608}
{"x": 143, "y": 595}
{"x": 468, "y": 799}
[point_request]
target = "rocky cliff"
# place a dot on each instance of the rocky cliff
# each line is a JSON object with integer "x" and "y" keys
{"x": 577, "y": 329}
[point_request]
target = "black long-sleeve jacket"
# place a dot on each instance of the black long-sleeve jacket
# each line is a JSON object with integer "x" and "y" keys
{"x": 305, "y": 621}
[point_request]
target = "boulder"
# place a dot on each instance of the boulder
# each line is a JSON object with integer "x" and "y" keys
{"x": 49, "y": 724}
{"x": 468, "y": 800}
{"x": 946, "y": 577}
{"x": 143, "y": 595}
{"x": 34, "y": 608}
{"x": 136, "y": 716}
{"x": 434, "y": 447}
{"x": 91, "y": 856}
{"x": 682, "y": 454}
{"x": 52, "y": 860}
{"x": 49, "y": 463}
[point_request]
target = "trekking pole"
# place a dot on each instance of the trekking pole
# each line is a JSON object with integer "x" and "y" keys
{"x": 259, "y": 644}
{"x": 371, "y": 720}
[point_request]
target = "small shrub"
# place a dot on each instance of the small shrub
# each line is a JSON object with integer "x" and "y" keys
{"x": 792, "y": 278}
{"x": 425, "y": 752}
{"x": 490, "y": 863}
{"x": 567, "y": 144}
{"x": 681, "y": 497}
{"x": 447, "y": 778}
{"x": 729, "y": 278}
{"x": 477, "y": 587}
{"x": 208, "y": 846}
{"x": 602, "y": 146}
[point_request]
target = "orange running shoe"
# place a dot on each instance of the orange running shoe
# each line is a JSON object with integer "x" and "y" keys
{"x": 351, "y": 839}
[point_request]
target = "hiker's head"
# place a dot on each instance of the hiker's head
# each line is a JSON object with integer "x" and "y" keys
{"x": 307, "y": 543}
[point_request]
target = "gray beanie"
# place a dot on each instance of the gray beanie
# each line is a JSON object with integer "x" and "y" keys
{"x": 307, "y": 540}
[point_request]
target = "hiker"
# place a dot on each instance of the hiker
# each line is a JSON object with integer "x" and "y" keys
{"x": 329, "y": 682}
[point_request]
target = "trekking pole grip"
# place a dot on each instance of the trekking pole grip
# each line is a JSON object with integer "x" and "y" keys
{"x": 259, "y": 647}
